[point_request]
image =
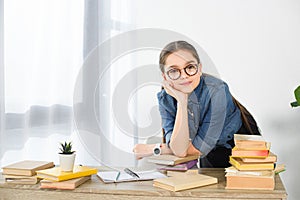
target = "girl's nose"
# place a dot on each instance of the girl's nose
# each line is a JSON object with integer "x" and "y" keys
{"x": 183, "y": 74}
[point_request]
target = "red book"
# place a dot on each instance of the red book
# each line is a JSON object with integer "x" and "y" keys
{"x": 258, "y": 153}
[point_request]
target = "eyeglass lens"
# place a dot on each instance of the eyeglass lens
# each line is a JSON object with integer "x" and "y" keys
{"x": 190, "y": 70}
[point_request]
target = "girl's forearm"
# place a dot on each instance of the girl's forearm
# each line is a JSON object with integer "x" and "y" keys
{"x": 191, "y": 149}
{"x": 180, "y": 142}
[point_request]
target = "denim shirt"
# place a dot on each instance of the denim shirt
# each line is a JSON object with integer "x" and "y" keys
{"x": 213, "y": 117}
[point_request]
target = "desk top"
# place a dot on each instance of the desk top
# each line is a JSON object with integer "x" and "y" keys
{"x": 143, "y": 189}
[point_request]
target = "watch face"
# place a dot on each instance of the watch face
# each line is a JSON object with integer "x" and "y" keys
{"x": 156, "y": 151}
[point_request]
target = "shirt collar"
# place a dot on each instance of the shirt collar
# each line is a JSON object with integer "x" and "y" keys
{"x": 194, "y": 96}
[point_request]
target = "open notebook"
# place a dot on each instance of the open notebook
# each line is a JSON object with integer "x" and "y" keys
{"x": 111, "y": 176}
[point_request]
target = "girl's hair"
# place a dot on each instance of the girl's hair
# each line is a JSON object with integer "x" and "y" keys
{"x": 173, "y": 47}
{"x": 249, "y": 125}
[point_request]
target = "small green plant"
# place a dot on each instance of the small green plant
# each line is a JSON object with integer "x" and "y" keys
{"x": 66, "y": 148}
{"x": 297, "y": 96}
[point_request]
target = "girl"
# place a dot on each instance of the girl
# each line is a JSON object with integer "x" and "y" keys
{"x": 199, "y": 115}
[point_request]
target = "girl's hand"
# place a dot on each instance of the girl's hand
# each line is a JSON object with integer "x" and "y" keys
{"x": 177, "y": 94}
{"x": 143, "y": 150}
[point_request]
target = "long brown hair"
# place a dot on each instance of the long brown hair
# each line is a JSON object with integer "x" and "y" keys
{"x": 249, "y": 125}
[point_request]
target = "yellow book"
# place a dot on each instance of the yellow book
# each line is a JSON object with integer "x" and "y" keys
{"x": 55, "y": 174}
{"x": 240, "y": 165}
{"x": 185, "y": 181}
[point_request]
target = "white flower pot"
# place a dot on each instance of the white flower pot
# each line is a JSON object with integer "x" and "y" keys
{"x": 66, "y": 161}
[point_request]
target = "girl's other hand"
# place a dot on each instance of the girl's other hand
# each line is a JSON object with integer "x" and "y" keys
{"x": 143, "y": 150}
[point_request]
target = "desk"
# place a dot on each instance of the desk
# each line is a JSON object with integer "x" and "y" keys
{"x": 143, "y": 190}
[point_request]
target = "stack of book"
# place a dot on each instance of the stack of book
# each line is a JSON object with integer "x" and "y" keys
{"x": 174, "y": 163}
{"x": 57, "y": 179}
{"x": 253, "y": 165}
{"x": 24, "y": 172}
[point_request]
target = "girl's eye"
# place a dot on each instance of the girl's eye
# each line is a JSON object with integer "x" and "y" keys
{"x": 173, "y": 71}
{"x": 191, "y": 67}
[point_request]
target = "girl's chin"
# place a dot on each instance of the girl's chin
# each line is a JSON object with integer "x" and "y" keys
{"x": 186, "y": 90}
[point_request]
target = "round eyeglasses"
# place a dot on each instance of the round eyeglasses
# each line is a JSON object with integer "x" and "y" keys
{"x": 190, "y": 70}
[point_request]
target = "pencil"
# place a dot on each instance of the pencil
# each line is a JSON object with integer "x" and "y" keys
{"x": 118, "y": 175}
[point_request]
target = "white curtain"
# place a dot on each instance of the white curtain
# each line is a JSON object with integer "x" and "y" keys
{"x": 42, "y": 54}
{"x": 97, "y": 80}
{"x": 53, "y": 84}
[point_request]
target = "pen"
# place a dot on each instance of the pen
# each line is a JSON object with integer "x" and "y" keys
{"x": 118, "y": 175}
{"x": 131, "y": 173}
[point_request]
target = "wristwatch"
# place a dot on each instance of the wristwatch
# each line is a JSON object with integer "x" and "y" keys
{"x": 157, "y": 150}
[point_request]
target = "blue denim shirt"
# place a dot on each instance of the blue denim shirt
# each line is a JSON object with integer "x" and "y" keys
{"x": 213, "y": 117}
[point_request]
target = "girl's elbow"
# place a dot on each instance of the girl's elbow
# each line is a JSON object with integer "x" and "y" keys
{"x": 181, "y": 155}
{"x": 178, "y": 152}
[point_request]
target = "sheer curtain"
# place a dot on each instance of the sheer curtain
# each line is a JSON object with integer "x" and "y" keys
{"x": 42, "y": 54}
{"x": 99, "y": 76}
{"x": 47, "y": 87}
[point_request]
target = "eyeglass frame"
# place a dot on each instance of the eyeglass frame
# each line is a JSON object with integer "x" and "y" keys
{"x": 197, "y": 69}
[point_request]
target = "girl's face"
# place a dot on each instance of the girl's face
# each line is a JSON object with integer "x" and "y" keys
{"x": 183, "y": 61}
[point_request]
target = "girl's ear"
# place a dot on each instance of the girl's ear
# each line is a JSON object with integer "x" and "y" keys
{"x": 164, "y": 76}
{"x": 200, "y": 67}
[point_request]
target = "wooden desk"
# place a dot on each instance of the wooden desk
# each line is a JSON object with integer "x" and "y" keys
{"x": 143, "y": 190}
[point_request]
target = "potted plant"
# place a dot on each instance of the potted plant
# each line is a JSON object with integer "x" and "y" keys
{"x": 66, "y": 156}
{"x": 297, "y": 96}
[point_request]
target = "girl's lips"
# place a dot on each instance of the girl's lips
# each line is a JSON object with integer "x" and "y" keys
{"x": 186, "y": 83}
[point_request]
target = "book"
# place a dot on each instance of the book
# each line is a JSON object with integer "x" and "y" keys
{"x": 121, "y": 176}
{"x": 279, "y": 168}
{"x": 64, "y": 185}
{"x": 270, "y": 158}
{"x": 17, "y": 179}
{"x": 249, "y": 141}
{"x": 168, "y": 159}
{"x": 179, "y": 173}
{"x": 249, "y": 138}
{"x": 240, "y": 165}
{"x": 262, "y": 182}
{"x": 26, "y": 167}
{"x": 56, "y": 174}
{"x": 180, "y": 167}
{"x": 186, "y": 181}
{"x": 235, "y": 172}
{"x": 254, "y": 153}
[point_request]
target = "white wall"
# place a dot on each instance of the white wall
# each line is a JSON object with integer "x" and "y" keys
{"x": 255, "y": 45}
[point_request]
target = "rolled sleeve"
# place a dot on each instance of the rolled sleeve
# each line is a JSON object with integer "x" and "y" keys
{"x": 168, "y": 113}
